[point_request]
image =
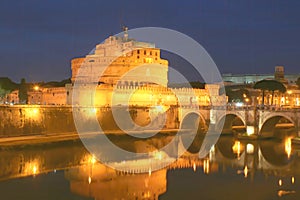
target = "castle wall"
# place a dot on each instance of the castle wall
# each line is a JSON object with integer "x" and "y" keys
{"x": 39, "y": 119}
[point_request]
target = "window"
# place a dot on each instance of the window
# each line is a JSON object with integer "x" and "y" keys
{"x": 138, "y": 51}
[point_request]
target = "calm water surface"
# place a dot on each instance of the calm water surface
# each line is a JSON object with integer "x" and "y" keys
{"x": 234, "y": 169}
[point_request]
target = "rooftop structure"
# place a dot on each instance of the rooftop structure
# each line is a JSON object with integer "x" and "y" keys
{"x": 253, "y": 78}
{"x": 116, "y": 56}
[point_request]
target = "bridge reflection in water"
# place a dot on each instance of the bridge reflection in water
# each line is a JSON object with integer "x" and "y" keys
{"x": 256, "y": 169}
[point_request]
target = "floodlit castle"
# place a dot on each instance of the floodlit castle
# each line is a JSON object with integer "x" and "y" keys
{"x": 123, "y": 71}
{"x": 115, "y": 57}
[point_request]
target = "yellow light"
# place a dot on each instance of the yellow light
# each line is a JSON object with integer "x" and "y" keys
{"x": 194, "y": 167}
{"x": 288, "y": 147}
{"x": 250, "y": 148}
{"x": 246, "y": 172}
{"x": 34, "y": 169}
{"x": 289, "y": 91}
{"x": 280, "y": 182}
{"x": 90, "y": 180}
{"x": 206, "y": 166}
{"x": 150, "y": 172}
{"x": 236, "y": 148}
{"x": 158, "y": 155}
{"x": 36, "y": 87}
{"x": 93, "y": 159}
{"x": 293, "y": 180}
{"x": 247, "y": 100}
{"x": 250, "y": 130}
{"x": 31, "y": 168}
{"x": 33, "y": 112}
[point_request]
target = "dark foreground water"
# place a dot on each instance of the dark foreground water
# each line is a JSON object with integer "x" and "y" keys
{"x": 233, "y": 169}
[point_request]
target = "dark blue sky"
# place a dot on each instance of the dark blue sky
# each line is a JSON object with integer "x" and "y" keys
{"x": 38, "y": 38}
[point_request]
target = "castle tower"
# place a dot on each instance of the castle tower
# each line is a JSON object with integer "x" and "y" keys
{"x": 115, "y": 57}
{"x": 279, "y": 74}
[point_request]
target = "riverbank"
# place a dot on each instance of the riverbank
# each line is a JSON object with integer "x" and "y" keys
{"x": 69, "y": 136}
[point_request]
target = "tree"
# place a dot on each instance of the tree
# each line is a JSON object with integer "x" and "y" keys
{"x": 269, "y": 85}
{"x": 298, "y": 82}
{"x": 23, "y": 96}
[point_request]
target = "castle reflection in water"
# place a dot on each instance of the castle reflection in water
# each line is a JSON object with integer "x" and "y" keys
{"x": 87, "y": 178}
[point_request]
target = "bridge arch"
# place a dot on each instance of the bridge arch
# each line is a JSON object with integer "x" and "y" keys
{"x": 193, "y": 119}
{"x": 274, "y": 153}
{"x": 270, "y": 127}
{"x": 230, "y": 121}
{"x": 195, "y": 123}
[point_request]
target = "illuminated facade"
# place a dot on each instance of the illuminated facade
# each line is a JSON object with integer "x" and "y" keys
{"x": 253, "y": 78}
{"x": 123, "y": 71}
{"x": 48, "y": 96}
{"x": 116, "y": 56}
{"x": 290, "y": 98}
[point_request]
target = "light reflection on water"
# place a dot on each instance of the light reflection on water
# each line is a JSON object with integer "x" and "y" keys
{"x": 234, "y": 168}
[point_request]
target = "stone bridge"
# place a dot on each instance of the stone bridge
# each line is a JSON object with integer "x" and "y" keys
{"x": 254, "y": 121}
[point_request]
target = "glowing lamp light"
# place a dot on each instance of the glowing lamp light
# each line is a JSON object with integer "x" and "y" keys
{"x": 250, "y": 130}
{"x": 236, "y": 148}
{"x": 206, "y": 166}
{"x": 288, "y": 147}
{"x": 246, "y": 172}
{"x": 250, "y": 148}
{"x": 194, "y": 167}
{"x": 36, "y": 87}
{"x": 149, "y": 172}
{"x": 239, "y": 104}
{"x": 280, "y": 182}
{"x": 93, "y": 159}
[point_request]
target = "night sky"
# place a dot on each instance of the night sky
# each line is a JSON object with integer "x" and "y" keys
{"x": 39, "y": 38}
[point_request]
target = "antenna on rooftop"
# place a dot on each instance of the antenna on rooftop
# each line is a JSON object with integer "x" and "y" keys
{"x": 125, "y": 30}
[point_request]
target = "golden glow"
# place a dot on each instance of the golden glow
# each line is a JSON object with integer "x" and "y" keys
{"x": 280, "y": 182}
{"x": 206, "y": 166}
{"x": 148, "y": 60}
{"x": 194, "y": 167}
{"x": 36, "y": 87}
{"x": 31, "y": 168}
{"x": 147, "y": 195}
{"x": 33, "y": 113}
{"x": 247, "y": 100}
{"x": 293, "y": 180}
{"x": 236, "y": 148}
{"x": 90, "y": 180}
{"x": 289, "y": 91}
{"x": 250, "y": 148}
{"x": 250, "y": 130}
{"x": 158, "y": 155}
{"x": 246, "y": 172}
{"x": 149, "y": 172}
{"x": 288, "y": 147}
{"x": 92, "y": 159}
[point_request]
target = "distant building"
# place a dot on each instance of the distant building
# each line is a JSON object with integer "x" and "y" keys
{"x": 12, "y": 97}
{"x": 253, "y": 78}
{"x": 48, "y": 96}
